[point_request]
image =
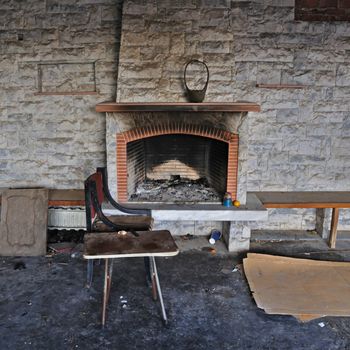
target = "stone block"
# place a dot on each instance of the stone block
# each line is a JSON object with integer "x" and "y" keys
{"x": 237, "y": 236}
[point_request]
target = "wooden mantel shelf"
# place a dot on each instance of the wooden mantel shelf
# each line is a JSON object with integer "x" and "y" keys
{"x": 177, "y": 107}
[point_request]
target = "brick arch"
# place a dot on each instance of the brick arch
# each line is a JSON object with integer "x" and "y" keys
{"x": 123, "y": 138}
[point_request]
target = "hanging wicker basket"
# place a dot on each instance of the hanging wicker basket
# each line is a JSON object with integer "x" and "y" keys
{"x": 196, "y": 95}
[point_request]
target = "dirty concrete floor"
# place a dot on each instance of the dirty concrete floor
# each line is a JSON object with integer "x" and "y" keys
{"x": 45, "y": 305}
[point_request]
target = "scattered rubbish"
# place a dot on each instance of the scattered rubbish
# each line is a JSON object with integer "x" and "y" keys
{"x": 123, "y": 302}
{"x": 19, "y": 265}
{"x": 75, "y": 255}
{"x": 29, "y": 302}
{"x": 235, "y": 269}
{"x": 321, "y": 324}
{"x": 122, "y": 233}
{"x": 290, "y": 286}
{"x": 210, "y": 250}
{"x": 62, "y": 248}
{"x": 214, "y": 236}
{"x": 312, "y": 231}
{"x": 187, "y": 237}
{"x": 62, "y": 236}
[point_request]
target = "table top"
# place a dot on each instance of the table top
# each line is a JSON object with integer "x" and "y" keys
{"x": 104, "y": 245}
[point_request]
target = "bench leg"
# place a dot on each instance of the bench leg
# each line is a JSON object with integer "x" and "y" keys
{"x": 334, "y": 226}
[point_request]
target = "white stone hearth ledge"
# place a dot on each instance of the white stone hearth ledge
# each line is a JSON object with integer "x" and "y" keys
{"x": 253, "y": 210}
{"x": 233, "y": 221}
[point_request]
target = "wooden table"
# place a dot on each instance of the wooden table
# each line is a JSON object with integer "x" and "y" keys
{"x": 111, "y": 245}
{"x": 318, "y": 200}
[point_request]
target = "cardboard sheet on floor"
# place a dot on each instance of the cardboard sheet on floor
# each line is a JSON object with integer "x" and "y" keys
{"x": 304, "y": 288}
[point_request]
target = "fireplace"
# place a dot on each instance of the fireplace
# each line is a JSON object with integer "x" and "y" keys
{"x": 177, "y": 151}
{"x": 209, "y": 132}
{"x": 153, "y": 134}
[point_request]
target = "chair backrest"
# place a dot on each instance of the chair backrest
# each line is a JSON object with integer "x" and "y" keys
{"x": 93, "y": 192}
{"x": 103, "y": 172}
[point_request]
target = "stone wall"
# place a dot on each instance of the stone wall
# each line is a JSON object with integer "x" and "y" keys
{"x": 160, "y": 36}
{"x": 57, "y": 60}
{"x": 299, "y": 141}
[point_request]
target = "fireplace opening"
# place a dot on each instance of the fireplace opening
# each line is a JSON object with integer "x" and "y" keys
{"x": 176, "y": 167}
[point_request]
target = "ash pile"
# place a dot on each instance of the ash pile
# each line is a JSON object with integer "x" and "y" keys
{"x": 177, "y": 189}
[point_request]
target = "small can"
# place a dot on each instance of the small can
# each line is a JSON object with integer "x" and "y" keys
{"x": 227, "y": 199}
{"x": 214, "y": 236}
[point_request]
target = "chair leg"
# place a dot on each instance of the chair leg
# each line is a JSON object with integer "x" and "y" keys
{"x": 153, "y": 262}
{"x": 106, "y": 288}
{"x": 148, "y": 270}
{"x": 152, "y": 278}
{"x": 90, "y": 272}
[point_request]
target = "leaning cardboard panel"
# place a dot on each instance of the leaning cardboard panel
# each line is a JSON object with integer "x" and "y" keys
{"x": 23, "y": 225}
{"x": 291, "y": 286}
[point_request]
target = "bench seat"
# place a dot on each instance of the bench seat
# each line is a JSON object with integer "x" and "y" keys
{"x": 319, "y": 200}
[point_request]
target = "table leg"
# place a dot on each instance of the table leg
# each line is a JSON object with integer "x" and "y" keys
{"x": 109, "y": 279}
{"x": 334, "y": 225}
{"x": 105, "y": 293}
{"x": 153, "y": 262}
{"x": 153, "y": 279}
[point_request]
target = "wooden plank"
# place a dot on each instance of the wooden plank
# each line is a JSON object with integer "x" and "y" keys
{"x": 178, "y": 107}
{"x": 66, "y": 93}
{"x": 281, "y": 86}
{"x": 304, "y": 199}
{"x": 66, "y": 198}
{"x": 334, "y": 226}
{"x": 67, "y": 203}
{"x": 62, "y": 198}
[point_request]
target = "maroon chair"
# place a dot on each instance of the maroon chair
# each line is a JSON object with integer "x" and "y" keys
{"x": 105, "y": 237}
{"x": 97, "y": 193}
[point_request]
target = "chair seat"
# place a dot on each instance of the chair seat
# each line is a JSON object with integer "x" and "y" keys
{"x": 104, "y": 245}
{"x": 132, "y": 222}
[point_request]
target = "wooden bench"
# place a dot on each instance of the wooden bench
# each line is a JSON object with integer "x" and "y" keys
{"x": 62, "y": 198}
{"x": 303, "y": 200}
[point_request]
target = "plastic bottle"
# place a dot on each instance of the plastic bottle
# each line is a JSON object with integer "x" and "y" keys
{"x": 227, "y": 199}
{"x": 214, "y": 236}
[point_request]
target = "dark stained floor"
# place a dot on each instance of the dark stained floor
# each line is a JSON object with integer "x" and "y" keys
{"x": 45, "y": 306}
